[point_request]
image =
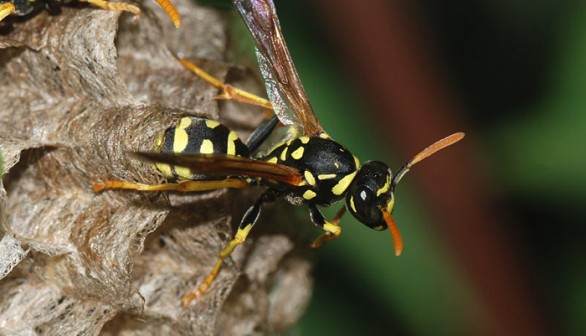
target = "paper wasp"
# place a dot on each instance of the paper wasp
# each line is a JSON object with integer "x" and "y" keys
{"x": 25, "y": 7}
{"x": 309, "y": 168}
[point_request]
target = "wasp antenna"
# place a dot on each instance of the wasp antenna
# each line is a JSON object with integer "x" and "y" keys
{"x": 395, "y": 234}
{"x": 171, "y": 11}
{"x": 427, "y": 152}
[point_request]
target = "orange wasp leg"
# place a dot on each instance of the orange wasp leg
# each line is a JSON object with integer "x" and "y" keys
{"x": 115, "y": 6}
{"x": 171, "y": 11}
{"x": 165, "y": 4}
{"x": 248, "y": 220}
{"x": 228, "y": 92}
{"x": 6, "y": 9}
{"x": 332, "y": 229}
{"x": 185, "y": 186}
{"x": 201, "y": 289}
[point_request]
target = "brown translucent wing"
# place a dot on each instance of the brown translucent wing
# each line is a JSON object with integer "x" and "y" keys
{"x": 226, "y": 165}
{"x": 284, "y": 87}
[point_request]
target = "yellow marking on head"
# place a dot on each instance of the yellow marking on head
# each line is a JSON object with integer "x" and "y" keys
{"x": 207, "y": 147}
{"x": 326, "y": 176}
{"x": 165, "y": 169}
{"x": 304, "y": 140}
{"x": 391, "y": 204}
{"x": 339, "y": 188}
{"x": 181, "y": 137}
{"x": 273, "y": 160}
{"x": 324, "y": 135}
{"x": 309, "y": 177}
{"x": 298, "y": 153}
{"x": 232, "y": 137}
{"x": 284, "y": 154}
{"x": 309, "y": 194}
{"x": 352, "y": 203}
{"x": 212, "y": 123}
{"x": 384, "y": 188}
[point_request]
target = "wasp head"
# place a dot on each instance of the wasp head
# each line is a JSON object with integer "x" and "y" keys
{"x": 370, "y": 198}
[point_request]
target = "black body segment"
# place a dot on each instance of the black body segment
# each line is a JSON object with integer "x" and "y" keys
{"x": 327, "y": 167}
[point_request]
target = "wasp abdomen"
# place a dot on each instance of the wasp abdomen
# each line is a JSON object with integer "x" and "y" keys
{"x": 197, "y": 135}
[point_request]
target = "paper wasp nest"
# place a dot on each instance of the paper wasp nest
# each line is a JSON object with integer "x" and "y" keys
{"x": 78, "y": 90}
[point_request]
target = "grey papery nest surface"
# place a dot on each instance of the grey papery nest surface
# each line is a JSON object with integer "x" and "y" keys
{"x": 80, "y": 89}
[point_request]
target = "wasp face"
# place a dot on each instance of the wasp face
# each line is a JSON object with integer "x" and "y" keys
{"x": 370, "y": 194}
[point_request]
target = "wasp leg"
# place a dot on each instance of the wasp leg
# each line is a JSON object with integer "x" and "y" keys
{"x": 181, "y": 186}
{"x": 6, "y": 9}
{"x": 228, "y": 91}
{"x": 171, "y": 11}
{"x": 250, "y": 218}
{"x": 332, "y": 229}
{"x": 115, "y": 6}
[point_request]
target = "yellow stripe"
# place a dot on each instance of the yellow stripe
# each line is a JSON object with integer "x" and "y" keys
{"x": 339, "y": 188}
{"x": 304, "y": 140}
{"x": 325, "y": 176}
{"x": 232, "y": 137}
{"x": 309, "y": 194}
{"x": 309, "y": 177}
{"x": 185, "y": 122}
{"x": 298, "y": 153}
{"x": 181, "y": 138}
{"x": 273, "y": 160}
{"x": 324, "y": 136}
{"x": 284, "y": 154}
{"x": 212, "y": 123}
{"x": 207, "y": 147}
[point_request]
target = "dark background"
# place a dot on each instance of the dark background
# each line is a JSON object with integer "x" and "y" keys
{"x": 493, "y": 227}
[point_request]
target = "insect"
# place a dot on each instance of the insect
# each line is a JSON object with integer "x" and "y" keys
{"x": 24, "y": 7}
{"x": 307, "y": 168}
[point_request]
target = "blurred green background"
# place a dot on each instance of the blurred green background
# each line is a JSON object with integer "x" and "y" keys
{"x": 516, "y": 71}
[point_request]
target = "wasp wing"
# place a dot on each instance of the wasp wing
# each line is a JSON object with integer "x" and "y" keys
{"x": 225, "y": 165}
{"x": 283, "y": 85}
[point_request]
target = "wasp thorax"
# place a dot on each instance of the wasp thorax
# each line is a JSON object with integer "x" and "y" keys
{"x": 370, "y": 192}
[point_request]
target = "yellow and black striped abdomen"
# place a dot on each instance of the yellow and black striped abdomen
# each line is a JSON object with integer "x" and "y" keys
{"x": 197, "y": 135}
